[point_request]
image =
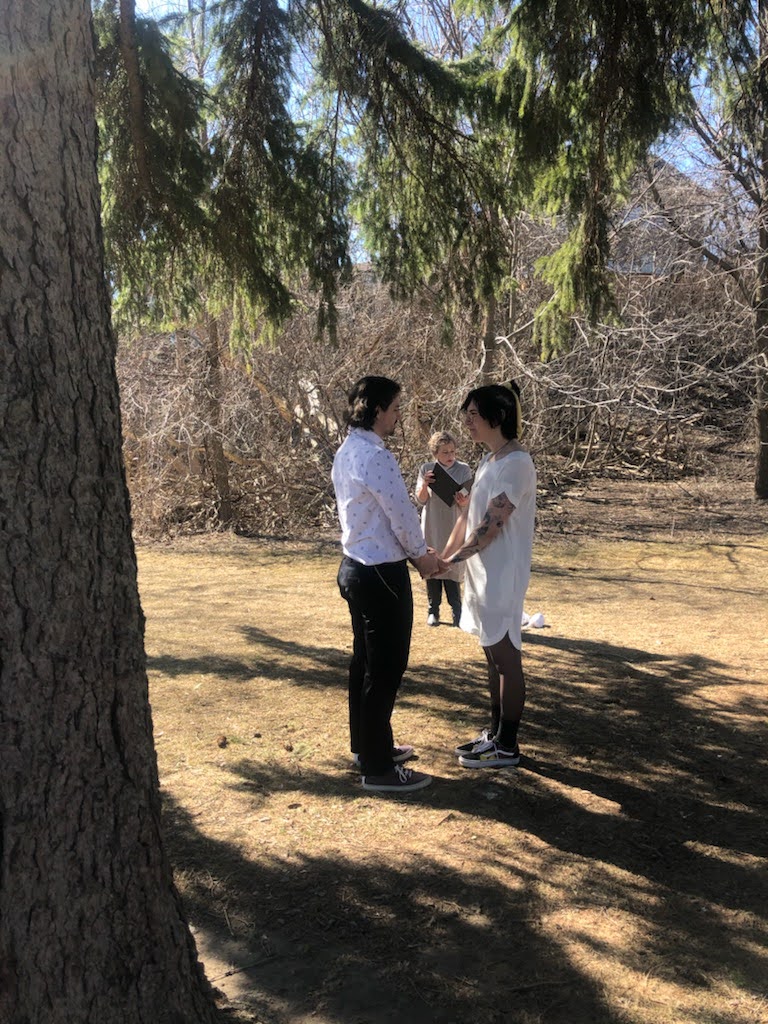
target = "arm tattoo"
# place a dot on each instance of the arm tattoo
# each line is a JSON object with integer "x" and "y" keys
{"x": 499, "y": 511}
{"x": 472, "y": 544}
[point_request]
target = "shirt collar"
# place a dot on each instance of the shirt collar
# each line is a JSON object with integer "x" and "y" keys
{"x": 367, "y": 435}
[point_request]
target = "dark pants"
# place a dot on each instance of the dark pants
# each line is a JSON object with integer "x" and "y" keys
{"x": 452, "y": 595}
{"x": 381, "y": 606}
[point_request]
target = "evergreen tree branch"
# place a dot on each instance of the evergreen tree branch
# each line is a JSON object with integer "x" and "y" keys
{"x": 369, "y": 58}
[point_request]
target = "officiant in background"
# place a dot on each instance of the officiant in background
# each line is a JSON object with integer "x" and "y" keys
{"x": 440, "y": 510}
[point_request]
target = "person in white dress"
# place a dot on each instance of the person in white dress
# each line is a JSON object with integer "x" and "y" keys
{"x": 438, "y": 520}
{"x": 494, "y": 538}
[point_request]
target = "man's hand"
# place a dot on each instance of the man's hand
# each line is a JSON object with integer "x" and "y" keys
{"x": 428, "y": 564}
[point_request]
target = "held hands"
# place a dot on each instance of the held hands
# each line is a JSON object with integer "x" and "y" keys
{"x": 431, "y": 564}
{"x": 428, "y": 565}
{"x": 461, "y": 499}
{"x": 443, "y": 566}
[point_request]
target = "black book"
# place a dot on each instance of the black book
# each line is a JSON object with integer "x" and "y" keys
{"x": 444, "y": 486}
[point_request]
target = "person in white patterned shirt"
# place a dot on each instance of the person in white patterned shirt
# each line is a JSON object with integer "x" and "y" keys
{"x": 380, "y": 533}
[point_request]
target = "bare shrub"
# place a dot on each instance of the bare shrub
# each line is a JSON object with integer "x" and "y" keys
{"x": 652, "y": 395}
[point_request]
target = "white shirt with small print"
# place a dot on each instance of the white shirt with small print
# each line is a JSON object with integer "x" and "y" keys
{"x": 378, "y": 521}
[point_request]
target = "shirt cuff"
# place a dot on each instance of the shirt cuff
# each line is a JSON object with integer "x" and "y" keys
{"x": 418, "y": 554}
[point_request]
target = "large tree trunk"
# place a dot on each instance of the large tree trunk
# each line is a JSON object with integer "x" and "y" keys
{"x": 91, "y": 928}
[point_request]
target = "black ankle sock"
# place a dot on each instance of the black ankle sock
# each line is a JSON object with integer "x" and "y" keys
{"x": 506, "y": 735}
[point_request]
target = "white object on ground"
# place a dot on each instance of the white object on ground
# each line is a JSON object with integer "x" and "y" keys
{"x": 526, "y": 619}
{"x": 537, "y": 620}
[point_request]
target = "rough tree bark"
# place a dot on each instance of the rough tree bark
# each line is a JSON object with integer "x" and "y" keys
{"x": 91, "y": 927}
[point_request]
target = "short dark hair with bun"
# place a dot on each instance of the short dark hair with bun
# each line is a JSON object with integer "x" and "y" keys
{"x": 499, "y": 405}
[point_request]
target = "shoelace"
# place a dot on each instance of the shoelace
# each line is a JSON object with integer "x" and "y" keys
{"x": 404, "y": 774}
{"x": 477, "y": 742}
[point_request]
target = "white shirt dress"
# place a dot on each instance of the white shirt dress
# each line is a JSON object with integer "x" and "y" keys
{"x": 497, "y": 577}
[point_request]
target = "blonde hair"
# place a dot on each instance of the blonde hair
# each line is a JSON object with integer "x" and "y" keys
{"x": 441, "y": 437}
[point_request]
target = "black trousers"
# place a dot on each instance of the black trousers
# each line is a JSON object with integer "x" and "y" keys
{"x": 435, "y": 594}
{"x": 381, "y": 606}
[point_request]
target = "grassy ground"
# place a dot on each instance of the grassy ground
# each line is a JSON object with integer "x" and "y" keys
{"x": 618, "y": 876}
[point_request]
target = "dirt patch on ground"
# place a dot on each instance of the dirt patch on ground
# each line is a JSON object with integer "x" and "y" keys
{"x": 721, "y": 507}
{"x": 618, "y": 876}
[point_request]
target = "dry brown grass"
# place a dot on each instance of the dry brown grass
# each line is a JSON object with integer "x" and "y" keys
{"x": 618, "y": 876}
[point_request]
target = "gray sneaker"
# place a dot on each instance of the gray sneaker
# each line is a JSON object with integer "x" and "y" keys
{"x": 399, "y": 780}
{"x": 467, "y": 748}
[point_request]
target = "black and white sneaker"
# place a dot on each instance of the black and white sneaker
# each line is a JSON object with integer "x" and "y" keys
{"x": 401, "y": 752}
{"x": 399, "y": 780}
{"x": 467, "y": 748}
{"x": 490, "y": 755}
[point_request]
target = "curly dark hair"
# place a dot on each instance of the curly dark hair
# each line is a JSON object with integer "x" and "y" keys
{"x": 367, "y": 396}
{"x": 496, "y": 404}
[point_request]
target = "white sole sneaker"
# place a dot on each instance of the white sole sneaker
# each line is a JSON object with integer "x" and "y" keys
{"x": 490, "y": 755}
{"x": 399, "y": 780}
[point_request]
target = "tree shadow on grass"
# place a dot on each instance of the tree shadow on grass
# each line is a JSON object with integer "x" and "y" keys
{"x": 324, "y": 659}
{"x": 296, "y": 664}
{"x": 656, "y": 797}
{"x": 634, "y": 727}
{"x": 369, "y": 939}
{"x": 208, "y": 665}
{"x": 366, "y": 940}
{"x": 671, "y": 839}
{"x": 323, "y": 667}
{"x": 619, "y": 722}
